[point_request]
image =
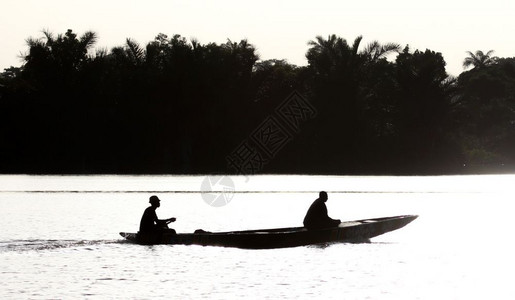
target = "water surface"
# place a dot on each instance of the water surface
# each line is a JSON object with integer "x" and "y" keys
{"x": 60, "y": 239}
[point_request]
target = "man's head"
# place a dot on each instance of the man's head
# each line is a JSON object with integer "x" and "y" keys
{"x": 154, "y": 201}
{"x": 323, "y": 196}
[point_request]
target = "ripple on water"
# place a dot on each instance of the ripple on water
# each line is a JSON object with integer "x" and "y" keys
{"x": 41, "y": 245}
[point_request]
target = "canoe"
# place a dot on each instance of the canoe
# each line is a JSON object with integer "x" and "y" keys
{"x": 349, "y": 231}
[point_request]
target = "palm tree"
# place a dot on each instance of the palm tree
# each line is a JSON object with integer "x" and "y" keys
{"x": 130, "y": 54}
{"x": 66, "y": 51}
{"x": 375, "y": 51}
{"x": 135, "y": 53}
{"x": 242, "y": 56}
{"x": 333, "y": 47}
{"x": 479, "y": 59}
{"x": 55, "y": 60}
{"x": 334, "y": 50}
{"x": 334, "y": 53}
{"x": 321, "y": 46}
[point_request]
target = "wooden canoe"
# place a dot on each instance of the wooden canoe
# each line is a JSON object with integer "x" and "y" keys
{"x": 349, "y": 231}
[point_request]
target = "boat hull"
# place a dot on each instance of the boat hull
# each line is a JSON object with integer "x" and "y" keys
{"x": 350, "y": 231}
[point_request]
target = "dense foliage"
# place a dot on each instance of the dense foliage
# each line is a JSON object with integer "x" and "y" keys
{"x": 179, "y": 106}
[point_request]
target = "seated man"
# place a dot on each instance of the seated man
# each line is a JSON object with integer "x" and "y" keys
{"x": 149, "y": 221}
{"x": 316, "y": 217}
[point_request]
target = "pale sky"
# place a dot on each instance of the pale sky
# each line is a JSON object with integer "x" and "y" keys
{"x": 278, "y": 29}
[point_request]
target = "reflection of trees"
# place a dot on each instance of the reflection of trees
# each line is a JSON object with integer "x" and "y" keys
{"x": 177, "y": 105}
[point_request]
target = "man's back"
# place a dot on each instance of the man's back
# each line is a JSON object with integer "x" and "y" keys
{"x": 317, "y": 217}
{"x": 317, "y": 213}
{"x": 148, "y": 220}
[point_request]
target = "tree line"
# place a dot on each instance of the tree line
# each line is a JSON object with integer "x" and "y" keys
{"x": 177, "y": 106}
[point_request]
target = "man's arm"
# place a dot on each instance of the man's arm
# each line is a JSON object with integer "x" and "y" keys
{"x": 170, "y": 220}
{"x": 165, "y": 221}
{"x": 329, "y": 219}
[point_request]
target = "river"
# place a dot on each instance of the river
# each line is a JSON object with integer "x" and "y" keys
{"x": 60, "y": 239}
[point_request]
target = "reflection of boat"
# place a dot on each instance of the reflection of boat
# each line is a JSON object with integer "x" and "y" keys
{"x": 350, "y": 231}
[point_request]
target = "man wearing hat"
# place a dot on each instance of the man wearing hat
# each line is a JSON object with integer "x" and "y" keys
{"x": 149, "y": 221}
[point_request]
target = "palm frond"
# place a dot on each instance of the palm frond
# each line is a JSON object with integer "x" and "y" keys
{"x": 392, "y": 47}
{"x": 467, "y": 62}
{"x": 88, "y": 39}
{"x": 371, "y": 48}
{"x": 479, "y": 59}
{"x": 195, "y": 43}
{"x": 135, "y": 52}
{"x": 356, "y": 43}
{"x": 375, "y": 50}
{"x": 49, "y": 37}
{"x": 469, "y": 53}
{"x": 33, "y": 42}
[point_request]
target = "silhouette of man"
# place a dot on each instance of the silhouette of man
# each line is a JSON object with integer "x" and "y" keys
{"x": 149, "y": 221}
{"x": 317, "y": 217}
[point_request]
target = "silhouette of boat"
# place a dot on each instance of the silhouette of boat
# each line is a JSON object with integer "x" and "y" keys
{"x": 350, "y": 231}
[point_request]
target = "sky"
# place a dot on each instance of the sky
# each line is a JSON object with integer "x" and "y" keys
{"x": 279, "y": 29}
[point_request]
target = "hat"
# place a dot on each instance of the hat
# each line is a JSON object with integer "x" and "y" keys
{"x": 153, "y": 199}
